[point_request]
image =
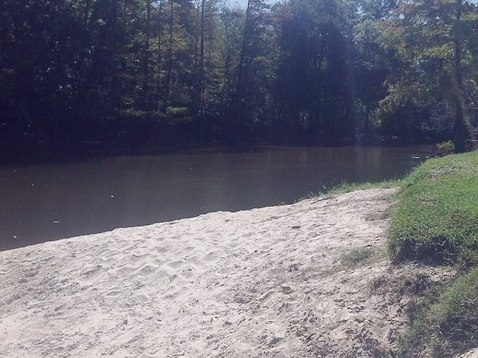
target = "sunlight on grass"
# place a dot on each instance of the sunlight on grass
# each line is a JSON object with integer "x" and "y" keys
{"x": 437, "y": 217}
{"x": 436, "y": 222}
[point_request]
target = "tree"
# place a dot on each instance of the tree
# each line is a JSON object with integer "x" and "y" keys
{"x": 207, "y": 61}
{"x": 434, "y": 41}
{"x": 231, "y": 32}
{"x": 315, "y": 88}
{"x": 372, "y": 62}
{"x": 250, "y": 76}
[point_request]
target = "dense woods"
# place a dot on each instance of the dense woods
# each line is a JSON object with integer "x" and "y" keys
{"x": 143, "y": 75}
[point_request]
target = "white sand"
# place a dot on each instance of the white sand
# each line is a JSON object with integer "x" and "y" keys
{"x": 471, "y": 354}
{"x": 267, "y": 282}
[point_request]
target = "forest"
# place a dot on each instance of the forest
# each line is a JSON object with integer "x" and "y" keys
{"x": 142, "y": 76}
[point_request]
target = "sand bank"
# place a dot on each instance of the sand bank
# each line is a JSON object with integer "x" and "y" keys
{"x": 271, "y": 282}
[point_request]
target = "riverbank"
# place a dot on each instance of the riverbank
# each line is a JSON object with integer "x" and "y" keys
{"x": 310, "y": 279}
{"x": 436, "y": 223}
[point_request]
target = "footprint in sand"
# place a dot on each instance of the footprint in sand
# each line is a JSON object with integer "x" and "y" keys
{"x": 115, "y": 291}
{"x": 176, "y": 264}
{"x": 125, "y": 271}
{"x": 91, "y": 273}
{"x": 147, "y": 270}
{"x": 143, "y": 297}
{"x": 137, "y": 258}
{"x": 162, "y": 249}
{"x": 212, "y": 256}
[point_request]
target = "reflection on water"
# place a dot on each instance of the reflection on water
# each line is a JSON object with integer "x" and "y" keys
{"x": 48, "y": 202}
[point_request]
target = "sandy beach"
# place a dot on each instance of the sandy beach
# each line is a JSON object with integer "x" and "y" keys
{"x": 269, "y": 282}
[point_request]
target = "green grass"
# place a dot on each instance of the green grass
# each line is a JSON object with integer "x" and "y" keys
{"x": 347, "y": 187}
{"x": 445, "y": 325}
{"x": 436, "y": 222}
{"x": 357, "y": 257}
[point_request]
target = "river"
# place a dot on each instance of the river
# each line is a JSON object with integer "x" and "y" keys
{"x": 51, "y": 201}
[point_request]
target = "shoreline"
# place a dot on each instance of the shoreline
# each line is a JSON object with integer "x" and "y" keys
{"x": 279, "y": 281}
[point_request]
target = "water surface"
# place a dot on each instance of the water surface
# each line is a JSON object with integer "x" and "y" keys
{"x": 52, "y": 201}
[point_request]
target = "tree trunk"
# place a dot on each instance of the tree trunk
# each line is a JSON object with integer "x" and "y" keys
{"x": 459, "y": 127}
{"x": 236, "y": 107}
{"x": 170, "y": 53}
{"x": 146, "y": 56}
{"x": 159, "y": 94}
{"x": 201, "y": 63}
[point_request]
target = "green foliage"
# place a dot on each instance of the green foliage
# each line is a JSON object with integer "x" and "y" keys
{"x": 315, "y": 72}
{"x": 445, "y": 148}
{"x": 436, "y": 222}
{"x": 308, "y": 72}
{"x": 447, "y": 325}
{"x": 435, "y": 66}
{"x": 437, "y": 217}
{"x": 359, "y": 256}
{"x": 348, "y": 187}
{"x": 177, "y": 111}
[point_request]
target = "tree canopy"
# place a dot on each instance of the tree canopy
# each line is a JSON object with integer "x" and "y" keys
{"x": 143, "y": 75}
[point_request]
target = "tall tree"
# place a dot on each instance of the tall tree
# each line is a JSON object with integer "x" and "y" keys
{"x": 315, "y": 87}
{"x": 231, "y": 32}
{"x": 373, "y": 63}
{"x": 434, "y": 39}
{"x": 250, "y": 71}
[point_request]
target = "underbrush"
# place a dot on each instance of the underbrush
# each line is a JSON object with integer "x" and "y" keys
{"x": 436, "y": 223}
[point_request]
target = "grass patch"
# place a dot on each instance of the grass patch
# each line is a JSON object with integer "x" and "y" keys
{"x": 446, "y": 325}
{"x": 348, "y": 187}
{"x": 436, "y": 222}
{"x": 356, "y": 257}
